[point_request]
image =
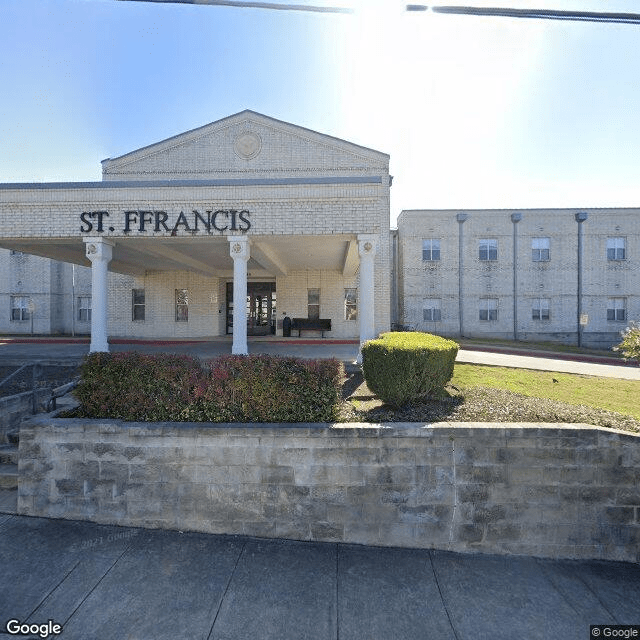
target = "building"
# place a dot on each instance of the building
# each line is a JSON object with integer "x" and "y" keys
{"x": 246, "y": 207}
{"x": 562, "y": 275}
{"x": 297, "y": 224}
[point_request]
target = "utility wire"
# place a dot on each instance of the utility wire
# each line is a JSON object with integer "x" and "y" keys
{"x": 545, "y": 14}
{"x": 256, "y": 5}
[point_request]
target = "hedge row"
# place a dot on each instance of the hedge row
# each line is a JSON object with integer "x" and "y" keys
{"x": 136, "y": 387}
{"x": 403, "y": 366}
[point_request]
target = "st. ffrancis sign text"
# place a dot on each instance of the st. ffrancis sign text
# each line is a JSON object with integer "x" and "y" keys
{"x": 150, "y": 221}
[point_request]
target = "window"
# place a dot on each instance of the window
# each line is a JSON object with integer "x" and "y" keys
{"x": 137, "y": 305}
{"x": 431, "y": 310}
{"x": 84, "y": 308}
{"x": 616, "y": 248}
{"x": 488, "y": 309}
{"x": 540, "y": 309}
{"x": 313, "y": 303}
{"x": 350, "y": 304}
{"x": 540, "y": 249}
{"x": 617, "y": 309}
{"x": 19, "y": 308}
{"x": 488, "y": 249}
{"x": 182, "y": 305}
{"x": 431, "y": 250}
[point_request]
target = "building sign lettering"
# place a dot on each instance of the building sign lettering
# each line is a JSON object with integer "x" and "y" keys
{"x": 154, "y": 221}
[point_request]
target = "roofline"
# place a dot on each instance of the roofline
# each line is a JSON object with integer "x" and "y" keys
{"x": 222, "y": 182}
{"x": 235, "y": 115}
{"x": 516, "y": 209}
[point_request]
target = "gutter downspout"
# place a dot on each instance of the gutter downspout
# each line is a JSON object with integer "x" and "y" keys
{"x": 461, "y": 217}
{"x": 580, "y": 218}
{"x": 515, "y": 218}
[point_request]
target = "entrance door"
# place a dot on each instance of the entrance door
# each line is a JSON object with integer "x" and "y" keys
{"x": 261, "y": 308}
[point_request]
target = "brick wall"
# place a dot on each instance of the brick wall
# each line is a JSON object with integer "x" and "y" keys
{"x": 554, "y": 280}
{"x": 544, "y": 490}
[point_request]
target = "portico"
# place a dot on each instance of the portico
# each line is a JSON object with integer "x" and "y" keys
{"x": 247, "y": 208}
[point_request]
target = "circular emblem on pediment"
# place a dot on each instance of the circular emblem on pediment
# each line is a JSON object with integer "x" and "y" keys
{"x": 247, "y": 145}
{"x": 236, "y": 248}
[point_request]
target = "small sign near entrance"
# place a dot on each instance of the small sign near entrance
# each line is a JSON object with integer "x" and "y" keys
{"x": 584, "y": 319}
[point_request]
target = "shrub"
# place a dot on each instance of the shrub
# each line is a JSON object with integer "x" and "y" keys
{"x": 406, "y": 366}
{"x": 266, "y": 388}
{"x": 630, "y": 344}
{"x": 135, "y": 387}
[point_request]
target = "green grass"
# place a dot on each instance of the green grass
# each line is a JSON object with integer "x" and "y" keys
{"x": 479, "y": 393}
{"x": 612, "y": 394}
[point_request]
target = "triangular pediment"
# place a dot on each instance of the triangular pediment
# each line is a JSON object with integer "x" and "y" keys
{"x": 246, "y": 144}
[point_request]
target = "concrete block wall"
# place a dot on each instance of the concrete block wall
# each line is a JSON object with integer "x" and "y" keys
{"x": 558, "y": 491}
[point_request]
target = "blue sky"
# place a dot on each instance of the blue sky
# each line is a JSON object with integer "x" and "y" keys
{"x": 475, "y": 112}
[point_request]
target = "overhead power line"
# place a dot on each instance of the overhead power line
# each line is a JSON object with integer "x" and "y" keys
{"x": 545, "y": 14}
{"x": 256, "y": 5}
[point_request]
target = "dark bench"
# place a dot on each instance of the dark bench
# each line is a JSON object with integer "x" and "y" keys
{"x": 311, "y": 324}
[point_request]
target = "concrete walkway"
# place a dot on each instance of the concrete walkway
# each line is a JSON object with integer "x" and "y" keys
{"x": 585, "y": 367}
{"x": 18, "y": 350}
{"x": 111, "y": 583}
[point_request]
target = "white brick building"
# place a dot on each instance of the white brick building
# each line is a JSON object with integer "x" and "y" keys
{"x": 297, "y": 223}
{"x": 520, "y": 274}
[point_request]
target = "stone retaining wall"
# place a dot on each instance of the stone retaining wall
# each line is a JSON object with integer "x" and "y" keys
{"x": 560, "y": 491}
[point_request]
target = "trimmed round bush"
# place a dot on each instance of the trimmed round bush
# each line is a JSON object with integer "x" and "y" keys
{"x": 400, "y": 367}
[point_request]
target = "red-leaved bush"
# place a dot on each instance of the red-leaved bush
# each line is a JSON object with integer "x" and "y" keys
{"x": 135, "y": 387}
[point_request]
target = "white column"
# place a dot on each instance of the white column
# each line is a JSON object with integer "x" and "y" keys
{"x": 99, "y": 251}
{"x": 366, "y": 307}
{"x": 239, "y": 251}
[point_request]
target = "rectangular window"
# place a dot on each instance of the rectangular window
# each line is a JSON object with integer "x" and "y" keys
{"x": 616, "y": 249}
{"x": 350, "y": 304}
{"x": 488, "y": 309}
{"x": 617, "y": 309}
{"x": 540, "y": 249}
{"x": 313, "y": 303}
{"x": 137, "y": 305}
{"x": 431, "y": 250}
{"x": 182, "y": 305}
{"x": 540, "y": 309}
{"x": 431, "y": 311}
{"x": 19, "y": 308}
{"x": 488, "y": 249}
{"x": 84, "y": 308}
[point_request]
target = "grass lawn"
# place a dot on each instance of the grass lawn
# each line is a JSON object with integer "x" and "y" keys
{"x": 613, "y": 394}
{"x": 479, "y": 393}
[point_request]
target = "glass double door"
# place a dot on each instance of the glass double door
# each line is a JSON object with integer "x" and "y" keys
{"x": 261, "y": 308}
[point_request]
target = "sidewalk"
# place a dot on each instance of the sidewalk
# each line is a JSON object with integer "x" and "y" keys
{"x": 109, "y": 583}
{"x": 19, "y": 349}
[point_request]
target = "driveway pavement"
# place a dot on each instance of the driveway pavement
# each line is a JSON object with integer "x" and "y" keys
{"x": 19, "y": 350}
{"x": 115, "y": 583}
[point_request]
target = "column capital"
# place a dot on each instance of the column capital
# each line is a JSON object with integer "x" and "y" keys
{"x": 98, "y": 248}
{"x": 367, "y": 244}
{"x": 239, "y": 247}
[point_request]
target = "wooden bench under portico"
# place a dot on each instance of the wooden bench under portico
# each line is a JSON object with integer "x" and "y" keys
{"x": 311, "y": 324}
